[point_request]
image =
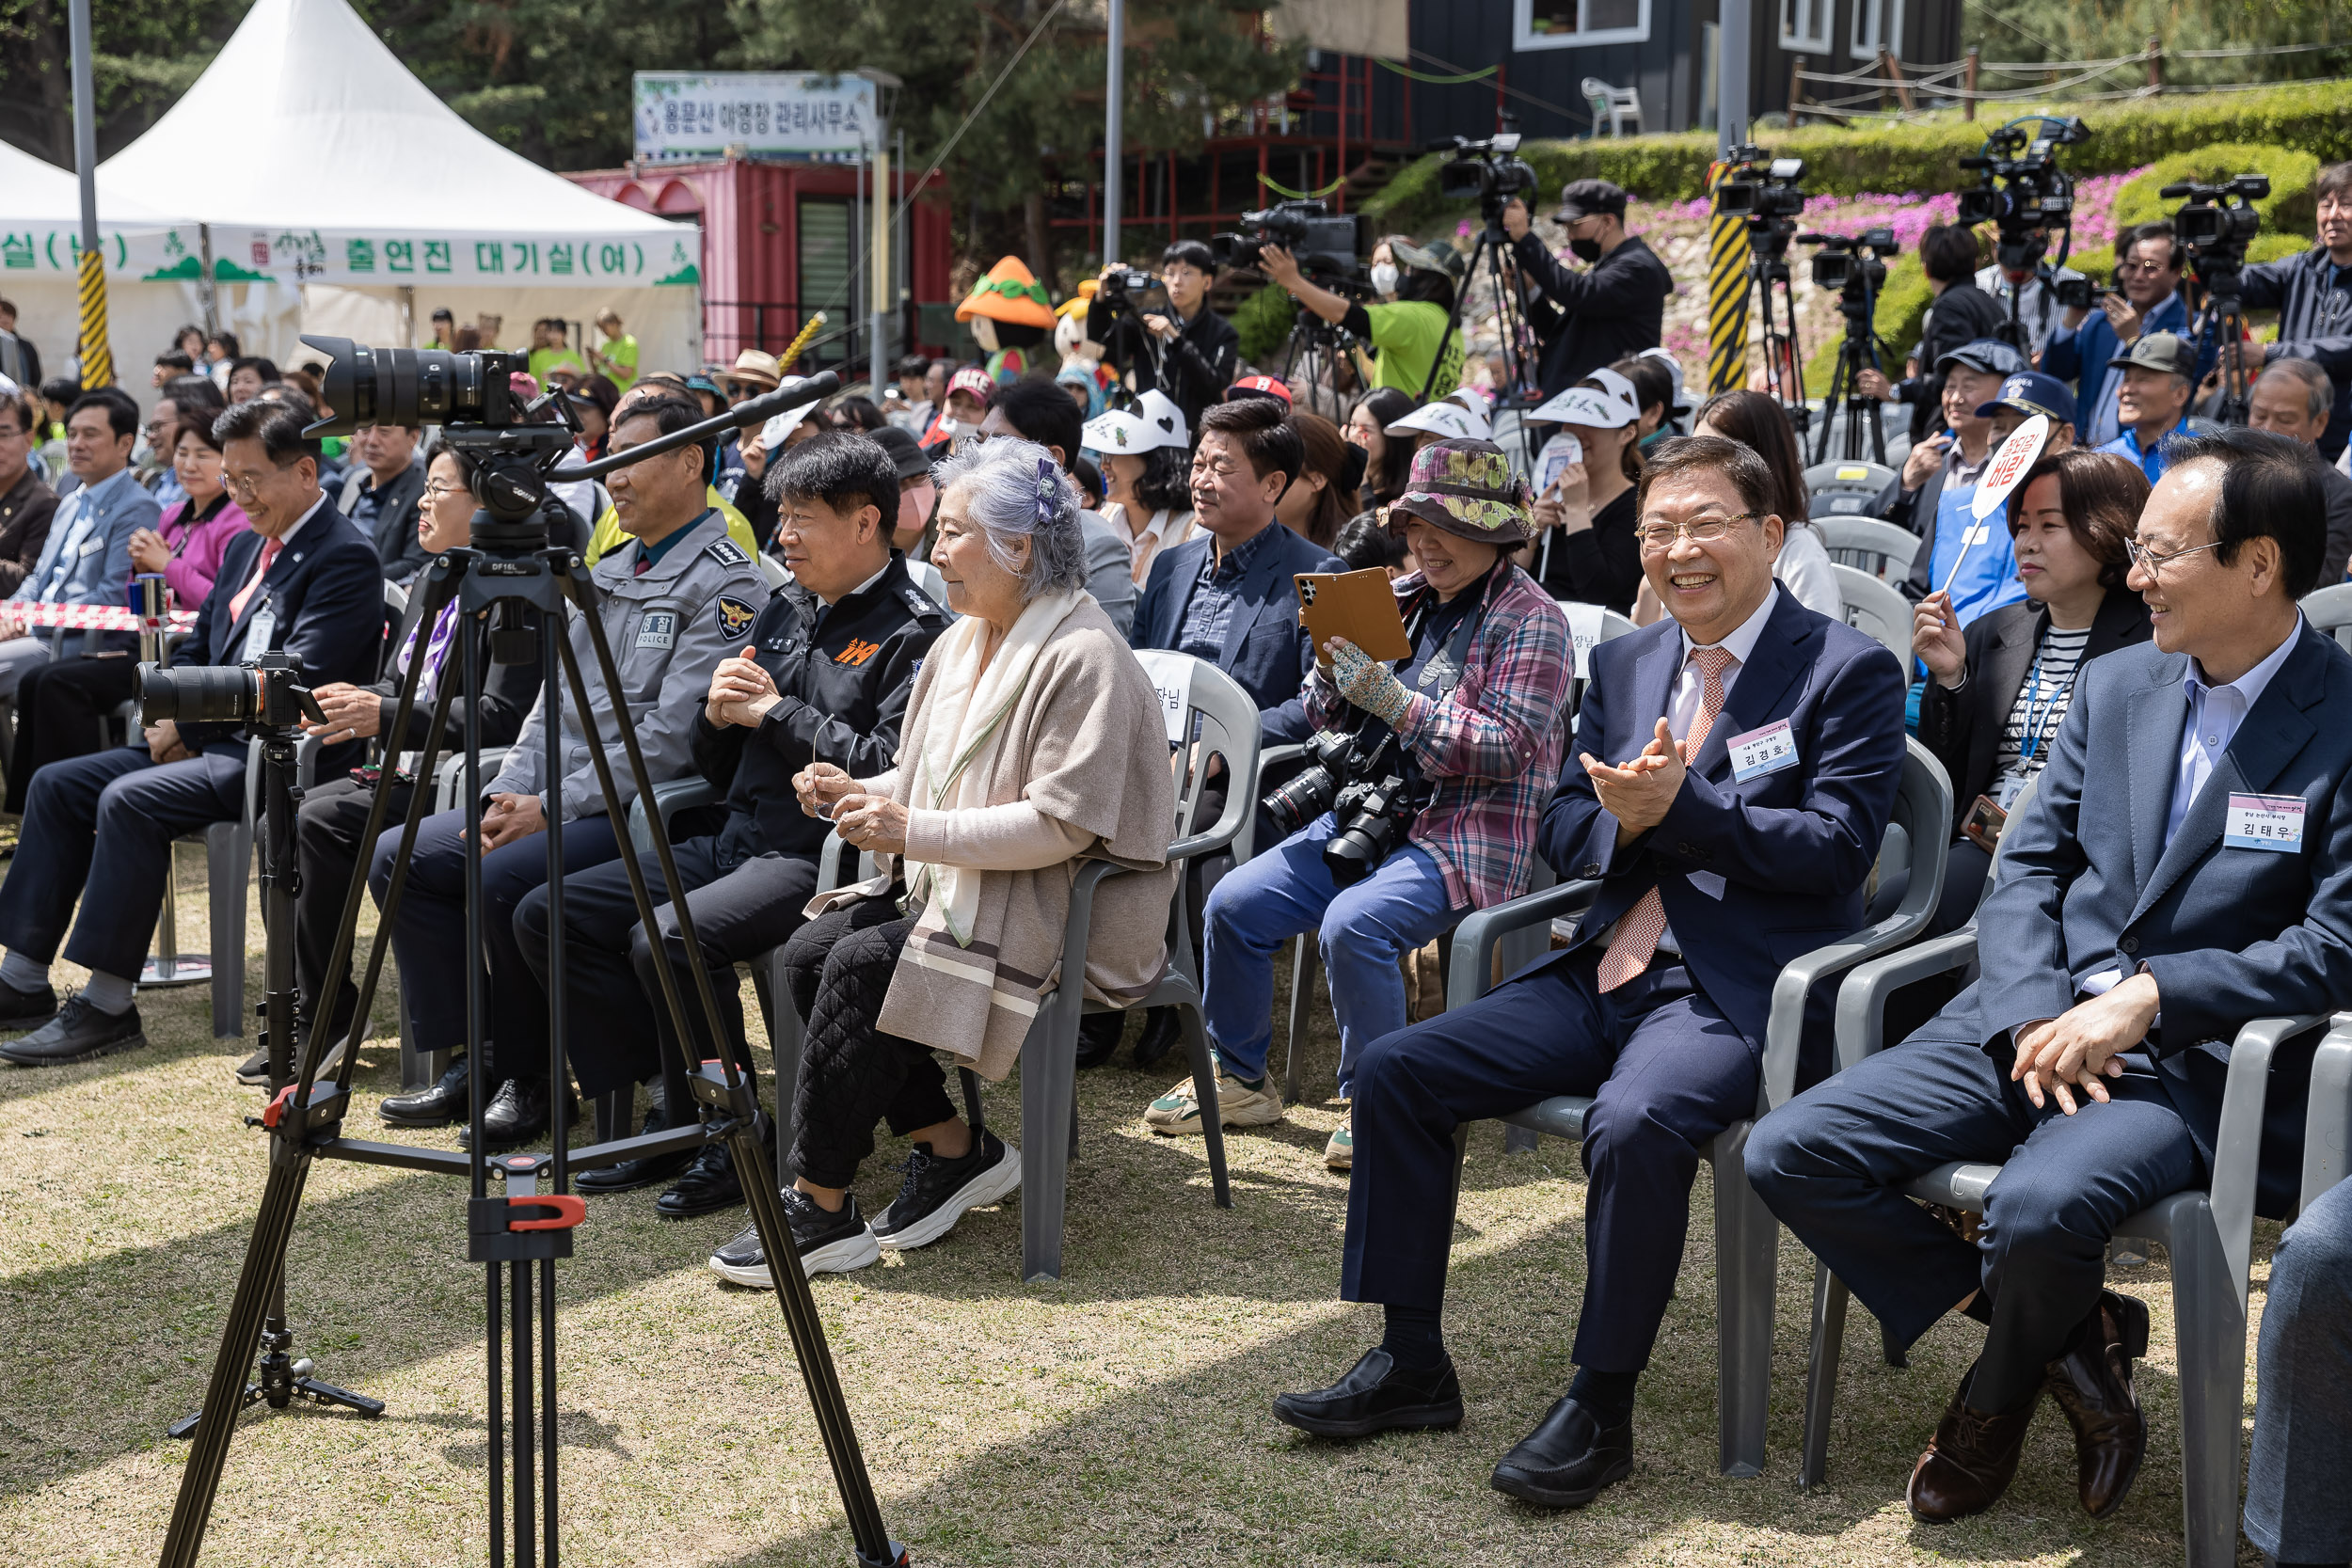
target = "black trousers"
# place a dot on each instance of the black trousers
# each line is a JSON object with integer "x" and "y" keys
{"x": 853, "y": 1074}
{"x": 329, "y": 854}
{"x": 58, "y": 706}
{"x": 614, "y": 1015}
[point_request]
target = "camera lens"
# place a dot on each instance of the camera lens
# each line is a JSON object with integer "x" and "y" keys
{"x": 1357, "y": 850}
{"x": 194, "y": 694}
{"x": 412, "y": 387}
{"x": 1301, "y": 800}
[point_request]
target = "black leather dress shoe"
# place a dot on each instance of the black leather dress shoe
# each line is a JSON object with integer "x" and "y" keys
{"x": 629, "y": 1175}
{"x": 26, "y": 1010}
{"x": 1098, "y": 1036}
{"x": 710, "y": 1184}
{"x": 2092, "y": 1384}
{"x": 435, "y": 1107}
{"x": 79, "y": 1033}
{"x": 1377, "y": 1395}
{"x": 515, "y": 1114}
{"x": 1567, "y": 1459}
{"x": 1162, "y": 1030}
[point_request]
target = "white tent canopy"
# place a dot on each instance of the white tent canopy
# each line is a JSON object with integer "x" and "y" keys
{"x": 352, "y": 183}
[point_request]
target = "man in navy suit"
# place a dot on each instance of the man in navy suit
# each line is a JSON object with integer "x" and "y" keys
{"x": 1762, "y": 747}
{"x": 2206, "y": 879}
{"x": 304, "y": 581}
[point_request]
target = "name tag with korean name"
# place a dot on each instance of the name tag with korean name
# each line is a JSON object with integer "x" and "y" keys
{"x": 1761, "y": 752}
{"x": 659, "y": 629}
{"x": 2264, "y": 822}
{"x": 258, "y": 631}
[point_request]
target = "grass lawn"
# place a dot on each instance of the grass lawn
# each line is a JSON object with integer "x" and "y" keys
{"x": 1118, "y": 1417}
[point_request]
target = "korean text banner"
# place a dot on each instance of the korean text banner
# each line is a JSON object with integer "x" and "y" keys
{"x": 689, "y": 114}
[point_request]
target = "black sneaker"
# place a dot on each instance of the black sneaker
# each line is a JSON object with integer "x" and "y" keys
{"x": 26, "y": 1009}
{"x": 436, "y": 1106}
{"x": 79, "y": 1033}
{"x": 937, "y": 1192}
{"x": 828, "y": 1244}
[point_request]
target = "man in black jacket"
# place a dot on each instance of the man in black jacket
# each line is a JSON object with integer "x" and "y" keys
{"x": 1963, "y": 313}
{"x": 824, "y": 676}
{"x": 381, "y": 495}
{"x": 1187, "y": 351}
{"x": 1613, "y": 307}
{"x": 2312, "y": 295}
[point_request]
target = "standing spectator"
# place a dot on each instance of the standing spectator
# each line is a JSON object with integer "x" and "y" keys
{"x": 2312, "y": 295}
{"x": 26, "y": 504}
{"x": 1614, "y": 307}
{"x": 1588, "y": 550}
{"x": 1187, "y": 351}
{"x": 1147, "y": 467}
{"x": 2291, "y": 398}
{"x": 551, "y": 350}
{"x": 1761, "y": 425}
{"x": 220, "y": 350}
{"x": 1036, "y": 410}
{"x": 19, "y": 362}
{"x": 488, "y": 326}
{"x": 2159, "y": 380}
{"x": 915, "y": 403}
{"x": 1420, "y": 356}
{"x": 86, "y": 558}
{"x": 57, "y": 395}
{"x": 383, "y": 495}
{"x": 1313, "y": 507}
{"x": 1963, "y": 313}
{"x": 616, "y": 360}
{"x": 444, "y": 329}
{"x": 1386, "y": 461}
{"x": 247, "y": 375}
{"x": 2083, "y": 349}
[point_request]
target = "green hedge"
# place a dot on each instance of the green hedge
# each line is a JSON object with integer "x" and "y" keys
{"x": 2291, "y": 207}
{"x": 1263, "y": 320}
{"x": 2315, "y": 119}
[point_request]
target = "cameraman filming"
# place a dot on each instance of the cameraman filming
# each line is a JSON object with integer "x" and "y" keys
{"x": 2312, "y": 295}
{"x": 1191, "y": 355}
{"x": 1461, "y": 747}
{"x": 1613, "y": 307}
{"x": 1419, "y": 356}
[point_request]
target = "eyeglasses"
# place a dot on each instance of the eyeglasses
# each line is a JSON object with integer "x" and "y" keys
{"x": 1657, "y": 538}
{"x": 435, "y": 490}
{"x": 2153, "y": 561}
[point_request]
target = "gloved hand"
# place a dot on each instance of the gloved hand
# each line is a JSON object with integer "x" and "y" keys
{"x": 1368, "y": 683}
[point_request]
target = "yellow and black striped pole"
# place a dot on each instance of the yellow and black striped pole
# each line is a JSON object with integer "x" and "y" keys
{"x": 98, "y": 360}
{"x": 1727, "y": 293}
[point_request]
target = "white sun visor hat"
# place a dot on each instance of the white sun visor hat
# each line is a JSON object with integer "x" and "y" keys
{"x": 1611, "y": 406}
{"x": 1448, "y": 419}
{"x": 1158, "y": 422}
{"x": 772, "y": 434}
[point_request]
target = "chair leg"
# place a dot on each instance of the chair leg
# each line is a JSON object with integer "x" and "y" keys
{"x": 1204, "y": 1087}
{"x": 1747, "y": 1249}
{"x": 1519, "y": 1140}
{"x": 612, "y": 1114}
{"x": 228, "y": 860}
{"x": 2209, "y": 1335}
{"x": 1304, "y": 959}
{"x": 1820, "y": 1372}
{"x": 1049, "y": 1083}
{"x": 972, "y": 1107}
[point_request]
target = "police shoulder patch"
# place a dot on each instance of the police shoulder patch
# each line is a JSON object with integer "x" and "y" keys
{"x": 726, "y": 552}
{"x": 735, "y": 617}
{"x": 922, "y": 605}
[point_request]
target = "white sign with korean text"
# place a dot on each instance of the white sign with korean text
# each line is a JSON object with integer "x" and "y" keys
{"x": 687, "y": 114}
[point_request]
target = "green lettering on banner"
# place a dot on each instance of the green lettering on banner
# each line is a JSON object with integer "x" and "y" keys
{"x": 611, "y": 258}
{"x": 560, "y": 257}
{"x": 360, "y": 255}
{"x": 525, "y": 256}
{"x": 400, "y": 255}
{"x": 436, "y": 256}
{"x": 16, "y": 252}
{"x": 488, "y": 256}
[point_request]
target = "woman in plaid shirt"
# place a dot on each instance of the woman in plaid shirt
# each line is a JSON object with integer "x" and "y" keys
{"x": 1476, "y": 710}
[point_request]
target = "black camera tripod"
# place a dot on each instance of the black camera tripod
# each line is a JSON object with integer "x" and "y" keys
{"x": 1857, "y": 351}
{"x": 1315, "y": 350}
{"x": 1512, "y": 321}
{"x": 2223, "y": 331}
{"x": 510, "y": 573}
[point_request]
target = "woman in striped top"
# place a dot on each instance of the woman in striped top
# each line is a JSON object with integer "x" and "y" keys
{"x": 1999, "y": 692}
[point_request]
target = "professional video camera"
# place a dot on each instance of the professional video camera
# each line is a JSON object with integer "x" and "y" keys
{"x": 2021, "y": 190}
{"x": 1854, "y": 266}
{"x": 1488, "y": 172}
{"x": 1765, "y": 192}
{"x": 265, "y": 691}
{"x": 1371, "y": 794}
{"x": 1321, "y": 243}
{"x": 2217, "y": 222}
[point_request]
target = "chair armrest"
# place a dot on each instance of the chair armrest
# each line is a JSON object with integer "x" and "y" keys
{"x": 670, "y": 797}
{"x": 1784, "y": 1029}
{"x": 2238, "y": 1146}
{"x": 2327, "y": 1130}
{"x": 1862, "y": 1000}
{"x": 1478, "y": 935}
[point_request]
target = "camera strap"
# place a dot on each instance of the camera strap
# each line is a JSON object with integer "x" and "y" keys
{"x": 1443, "y": 672}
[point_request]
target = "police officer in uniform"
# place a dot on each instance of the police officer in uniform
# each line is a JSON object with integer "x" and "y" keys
{"x": 822, "y": 675}
{"x": 674, "y": 602}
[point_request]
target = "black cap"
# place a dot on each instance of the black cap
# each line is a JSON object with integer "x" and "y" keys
{"x": 1583, "y": 198}
{"x": 904, "y": 451}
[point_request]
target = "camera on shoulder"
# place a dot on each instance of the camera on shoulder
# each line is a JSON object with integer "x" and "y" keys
{"x": 1324, "y": 245}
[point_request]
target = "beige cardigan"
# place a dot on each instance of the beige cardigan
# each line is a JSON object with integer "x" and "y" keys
{"x": 1086, "y": 745}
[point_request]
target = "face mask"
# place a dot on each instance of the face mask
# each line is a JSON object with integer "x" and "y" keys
{"x": 915, "y": 505}
{"x": 1586, "y": 251}
{"x": 1383, "y": 277}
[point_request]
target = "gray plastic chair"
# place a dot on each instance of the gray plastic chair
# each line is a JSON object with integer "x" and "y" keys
{"x": 2208, "y": 1234}
{"x": 2330, "y": 610}
{"x": 1875, "y": 610}
{"x": 1879, "y": 550}
{"x": 1747, "y": 1239}
{"x": 1841, "y": 489}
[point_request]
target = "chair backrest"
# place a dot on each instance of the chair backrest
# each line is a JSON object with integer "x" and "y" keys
{"x": 773, "y": 569}
{"x": 2330, "y": 612}
{"x": 1846, "y": 489}
{"x": 1208, "y": 707}
{"x": 1884, "y": 550}
{"x": 1876, "y": 609}
{"x": 1613, "y": 104}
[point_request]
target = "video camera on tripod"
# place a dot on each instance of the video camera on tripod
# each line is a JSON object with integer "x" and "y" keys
{"x": 2215, "y": 224}
{"x": 1765, "y": 193}
{"x": 2026, "y": 196}
{"x": 1489, "y": 173}
{"x": 1855, "y": 267}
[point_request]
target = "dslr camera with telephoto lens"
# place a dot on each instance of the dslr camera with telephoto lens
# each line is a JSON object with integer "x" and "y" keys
{"x": 1372, "y": 793}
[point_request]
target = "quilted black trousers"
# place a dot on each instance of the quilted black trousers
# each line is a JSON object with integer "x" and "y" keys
{"x": 851, "y": 1073}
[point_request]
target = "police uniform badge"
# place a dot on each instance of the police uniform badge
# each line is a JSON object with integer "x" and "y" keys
{"x": 735, "y": 616}
{"x": 726, "y": 552}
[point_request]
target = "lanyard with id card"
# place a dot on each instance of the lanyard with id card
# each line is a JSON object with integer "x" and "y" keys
{"x": 261, "y": 627}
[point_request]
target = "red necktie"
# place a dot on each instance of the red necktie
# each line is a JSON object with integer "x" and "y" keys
{"x": 245, "y": 595}
{"x": 1636, "y": 941}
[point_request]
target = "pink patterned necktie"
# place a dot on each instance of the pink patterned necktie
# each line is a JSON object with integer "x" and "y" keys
{"x": 1636, "y": 941}
{"x": 261, "y": 570}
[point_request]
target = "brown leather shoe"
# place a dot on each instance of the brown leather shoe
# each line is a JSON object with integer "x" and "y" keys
{"x": 2092, "y": 1384}
{"x": 1970, "y": 1462}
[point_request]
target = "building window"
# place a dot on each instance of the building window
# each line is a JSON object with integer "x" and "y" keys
{"x": 1878, "y": 24}
{"x": 1804, "y": 25}
{"x": 1578, "y": 24}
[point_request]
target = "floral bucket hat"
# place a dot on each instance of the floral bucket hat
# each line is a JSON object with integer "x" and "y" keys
{"x": 1467, "y": 488}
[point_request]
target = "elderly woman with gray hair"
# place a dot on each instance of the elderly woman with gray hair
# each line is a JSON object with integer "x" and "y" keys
{"x": 1033, "y": 740}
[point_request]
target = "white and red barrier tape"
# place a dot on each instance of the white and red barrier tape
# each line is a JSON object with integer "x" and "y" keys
{"x": 86, "y": 617}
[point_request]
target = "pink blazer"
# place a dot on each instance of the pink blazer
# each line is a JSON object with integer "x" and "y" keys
{"x": 197, "y": 549}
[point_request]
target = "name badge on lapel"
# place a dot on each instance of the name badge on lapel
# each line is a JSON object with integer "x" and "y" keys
{"x": 2273, "y": 822}
{"x": 258, "y": 631}
{"x": 90, "y": 546}
{"x": 1760, "y": 752}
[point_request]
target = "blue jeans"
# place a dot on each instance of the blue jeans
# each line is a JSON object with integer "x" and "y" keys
{"x": 2296, "y": 1508}
{"x": 1363, "y": 931}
